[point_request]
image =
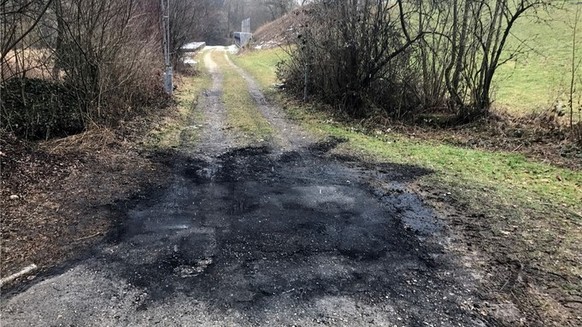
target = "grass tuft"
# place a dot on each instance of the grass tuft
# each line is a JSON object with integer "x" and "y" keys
{"x": 180, "y": 129}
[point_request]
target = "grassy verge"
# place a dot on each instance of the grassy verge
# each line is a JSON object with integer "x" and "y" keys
{"x": 507, "y": 171}
{"x": 520, "y": 217}
{"x": 537, "y": 78}
{"x": 181, "y": 129}
{"x": 242, "y": 113}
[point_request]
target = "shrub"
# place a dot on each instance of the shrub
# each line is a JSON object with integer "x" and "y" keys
{"x": 39, "y": 109}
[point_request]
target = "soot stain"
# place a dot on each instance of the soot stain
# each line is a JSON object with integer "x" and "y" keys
{"x": 260, "y": 225}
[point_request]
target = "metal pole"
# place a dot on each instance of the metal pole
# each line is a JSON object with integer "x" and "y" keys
{"x": 168, "y": 74}
{"x": 305, "y": 80}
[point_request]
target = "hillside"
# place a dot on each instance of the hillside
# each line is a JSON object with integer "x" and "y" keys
{"x": 281, "y": 31}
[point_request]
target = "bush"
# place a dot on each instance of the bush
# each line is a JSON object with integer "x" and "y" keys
{"x": 401, "y": 57}
{"x": 355, "y": 58}
{"x": 39, "y": 109}
{"x": 103, "y": 65}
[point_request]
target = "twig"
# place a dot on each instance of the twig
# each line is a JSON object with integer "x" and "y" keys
{"x": 88, "y": 237}
{"x": 21, "y": 273}
{"x": 288, "y": 291}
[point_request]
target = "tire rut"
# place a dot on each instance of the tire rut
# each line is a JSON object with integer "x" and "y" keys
{"x": 213, "y": 140}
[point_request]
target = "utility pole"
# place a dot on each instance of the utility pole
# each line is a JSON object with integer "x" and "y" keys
{"x": 168, "y": 73}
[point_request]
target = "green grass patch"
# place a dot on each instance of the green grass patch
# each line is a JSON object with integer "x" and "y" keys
{"x": 261, "y": 64}
{"x": 535, "y": 80}
{"x": 508, "y": 174}
{"x": 242, "y": 112}
{"x": 541, "y": 76}
{"x": 524, "y": 211}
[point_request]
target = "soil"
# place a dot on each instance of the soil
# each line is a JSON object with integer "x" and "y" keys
{"x": 55, "y": 194}
{"x": 285, "y": 233}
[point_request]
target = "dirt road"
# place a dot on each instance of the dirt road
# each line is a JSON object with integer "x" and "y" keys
{"x": 278, "y": 235}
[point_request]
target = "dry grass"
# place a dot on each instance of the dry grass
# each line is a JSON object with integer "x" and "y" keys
{"x": 33, "y": 63}
{"x": 281, "y": 31}
{"x": 55, "y": 195}
{"x": 94, "y": 140}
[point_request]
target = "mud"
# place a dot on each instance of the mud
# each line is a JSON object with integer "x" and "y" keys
{"x": 254, "y": 238}
{"x": 262, "y": 236}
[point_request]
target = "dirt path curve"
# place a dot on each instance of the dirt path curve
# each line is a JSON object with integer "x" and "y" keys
{"x": 249, "y": 237}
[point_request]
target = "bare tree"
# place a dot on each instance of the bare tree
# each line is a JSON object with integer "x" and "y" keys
{"x": 19, "y": 19}
{"x": 278, "y": 8}
{"x": 352, "y": 55}
{"x": 202, "y": 20}
{"x": 259, "y": 11}
{"x": 480, "y": 31}
{"x": 104, "y": 57}
{"x": 431, "y": 53}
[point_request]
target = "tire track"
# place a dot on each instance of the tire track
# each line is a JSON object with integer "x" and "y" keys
{"x": 213, "y": 140}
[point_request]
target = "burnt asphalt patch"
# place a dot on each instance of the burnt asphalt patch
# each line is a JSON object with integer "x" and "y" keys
{"x": 256, "y": 238}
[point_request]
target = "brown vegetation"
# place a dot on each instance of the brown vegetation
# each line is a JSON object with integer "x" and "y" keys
{"x": 77, "y": 64}
{"x": 282, "y": 31}
{"x": 56, "y": 196}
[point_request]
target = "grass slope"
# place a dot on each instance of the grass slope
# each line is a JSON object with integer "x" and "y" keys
{"x": 541, "y": 76}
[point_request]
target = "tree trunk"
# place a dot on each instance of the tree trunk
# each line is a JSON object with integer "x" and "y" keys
{"x": 59, "y": 50}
